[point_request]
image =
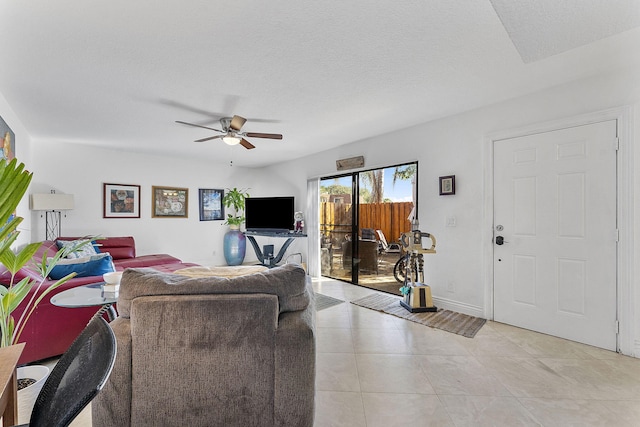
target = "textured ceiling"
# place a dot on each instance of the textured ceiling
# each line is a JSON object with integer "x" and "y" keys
{"x": 323, "y": 74}
{"x": 542, "y": 28}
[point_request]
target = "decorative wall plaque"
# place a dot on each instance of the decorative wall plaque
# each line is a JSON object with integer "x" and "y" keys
{"x": 350, "y": 163}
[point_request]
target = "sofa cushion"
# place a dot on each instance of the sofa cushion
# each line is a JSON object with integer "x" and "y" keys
{"x": 240, "y": 270}
{"x": 145, "y": 261}
{"x": 288, "y": 282}
{"x": 170, "y": 268}
{"x": 46, "y": 250}
{"x": 30, "y": 272}
{"x": 85, "y": 248}
{"x": 118, "y": 247}
{"x": 95, "y": 265}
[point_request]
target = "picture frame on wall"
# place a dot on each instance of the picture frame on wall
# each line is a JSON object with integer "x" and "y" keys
{"x": 121, "y": 201}
{"x": 447, "y": 185}
{"x": 169, "y": 202}
{"x": 7, "y": 147}
{"x": 210, "y": 202}
{"x": 7, "y": 142}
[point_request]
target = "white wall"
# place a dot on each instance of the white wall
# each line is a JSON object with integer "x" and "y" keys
{"x": 456, "y": 145}
{"x": 82, "y": 171}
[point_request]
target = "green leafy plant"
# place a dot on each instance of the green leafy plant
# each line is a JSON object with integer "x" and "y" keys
{"x": 235, "y": 199}
{"x": 14, "y": 180}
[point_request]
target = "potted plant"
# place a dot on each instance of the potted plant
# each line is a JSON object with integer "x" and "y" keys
{"x": 235, "y": 243}
{"x": 14, "y": 181}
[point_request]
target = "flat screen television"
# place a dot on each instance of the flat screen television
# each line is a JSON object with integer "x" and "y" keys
{"x": 269, "y": 214}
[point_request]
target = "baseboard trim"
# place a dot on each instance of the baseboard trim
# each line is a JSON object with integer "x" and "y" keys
{"x": 635, "y": 352}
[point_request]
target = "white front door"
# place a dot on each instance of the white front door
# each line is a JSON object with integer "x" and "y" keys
{"x": 555, "y": 210}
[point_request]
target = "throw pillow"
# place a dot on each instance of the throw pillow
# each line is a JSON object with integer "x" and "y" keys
{"x": 95, "y": 265}
{"x": 88, "y": 249}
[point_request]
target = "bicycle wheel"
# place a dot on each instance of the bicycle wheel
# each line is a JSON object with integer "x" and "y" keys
{"x": 400, "y": 268}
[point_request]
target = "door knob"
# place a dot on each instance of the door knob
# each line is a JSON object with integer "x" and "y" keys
{"x": 500, "y": 240}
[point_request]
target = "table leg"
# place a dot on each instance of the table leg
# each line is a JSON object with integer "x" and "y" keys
{"x": 274, "y": 261}
{"x": 9, "y": 401}
{"x": 9, "y": 384}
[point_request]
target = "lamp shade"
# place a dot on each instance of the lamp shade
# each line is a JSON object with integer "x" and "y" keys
{"x": 51, "y": 202}
{"x": 231, "y": 140}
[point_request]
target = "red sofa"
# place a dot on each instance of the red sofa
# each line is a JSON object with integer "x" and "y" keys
{"x": 51, "y": 329}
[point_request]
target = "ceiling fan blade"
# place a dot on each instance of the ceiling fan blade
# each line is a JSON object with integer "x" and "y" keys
{"x": 237, "y": 122}
{"x": 209, "y": 139}
{"x": 246, "y": 144}
{"x": 176, "y": 104}
{"x": 198, "y": 126}
{"x": 249, "y": 119}
{"x": 263, "y": 135}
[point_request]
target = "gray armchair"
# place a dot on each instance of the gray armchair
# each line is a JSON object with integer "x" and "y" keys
{"x": 212, "y": 351}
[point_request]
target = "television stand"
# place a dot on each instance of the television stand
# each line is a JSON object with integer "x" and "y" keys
{"x": 271, "y": 262}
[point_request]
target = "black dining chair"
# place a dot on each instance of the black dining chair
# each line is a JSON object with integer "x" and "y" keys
{"x": 77, "y": 377}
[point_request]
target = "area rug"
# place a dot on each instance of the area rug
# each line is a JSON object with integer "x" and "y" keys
{"x": 446, "y": 320}
{"x": 324, "y": 301}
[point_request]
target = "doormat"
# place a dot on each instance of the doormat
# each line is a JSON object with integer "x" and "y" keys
{"x": 446, "y": 320}
{"x": 324, "y": 301}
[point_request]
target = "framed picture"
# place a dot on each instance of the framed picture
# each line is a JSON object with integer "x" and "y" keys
{"x": 121, "y": 201}
{"x": 7, "y": 142}
{"x": 7, "y": 147}
{"x": 447, "y": 185}
{"x": 169, "y": 202}
{"x": 211, "y": 207}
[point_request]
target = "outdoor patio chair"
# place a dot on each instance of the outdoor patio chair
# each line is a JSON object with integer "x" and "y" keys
{"x": 368, "y": 234}
{"x": 368, "y": 260}
{"x": 387, "y": 248}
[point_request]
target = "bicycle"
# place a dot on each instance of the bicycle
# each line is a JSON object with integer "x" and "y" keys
{"x": 400, "y": 269}
{"x": 412, "y": 242}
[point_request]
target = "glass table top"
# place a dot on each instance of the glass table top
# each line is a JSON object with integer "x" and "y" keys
{"x": 84, "y": 296}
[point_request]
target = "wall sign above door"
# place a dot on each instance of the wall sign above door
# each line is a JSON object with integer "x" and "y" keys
{"x": 350, "y": 163}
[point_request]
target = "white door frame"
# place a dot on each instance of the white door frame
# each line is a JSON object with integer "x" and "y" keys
{"x": 626, "y": 296}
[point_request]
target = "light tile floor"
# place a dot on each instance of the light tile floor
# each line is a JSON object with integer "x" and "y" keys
{"x": 375, "y": 370}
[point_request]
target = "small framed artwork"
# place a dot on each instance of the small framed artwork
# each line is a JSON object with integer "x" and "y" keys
{"x": 121, "y": 201}
{"x": 169, "y": 202}
{"x": 211, "y": 207}
{"x": 447, "y": 185}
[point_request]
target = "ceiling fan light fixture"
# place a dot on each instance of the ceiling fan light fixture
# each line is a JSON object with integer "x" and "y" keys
{"x": 231, "y": 133}
{"x": 231, "y": 140}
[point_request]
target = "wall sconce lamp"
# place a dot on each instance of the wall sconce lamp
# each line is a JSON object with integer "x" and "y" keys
{"x": 52, "y": 204}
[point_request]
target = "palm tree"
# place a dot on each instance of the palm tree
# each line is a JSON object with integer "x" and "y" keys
{"x": 375, "y": 180}
{"x": 404, "y": 172}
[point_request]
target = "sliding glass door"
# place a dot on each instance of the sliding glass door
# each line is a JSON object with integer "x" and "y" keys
{"x": 337, "y": 219}
{"x": 360, "y": 234}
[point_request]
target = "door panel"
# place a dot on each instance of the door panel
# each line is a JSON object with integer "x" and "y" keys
{"x": 555, "y": 197}
{"x": 337, "y": 229}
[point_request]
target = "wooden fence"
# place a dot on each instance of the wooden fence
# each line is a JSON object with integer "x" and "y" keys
{"x": 391, "y": 218}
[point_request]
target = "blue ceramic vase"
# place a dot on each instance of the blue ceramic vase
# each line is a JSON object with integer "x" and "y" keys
{"x": 235, "y": 245}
